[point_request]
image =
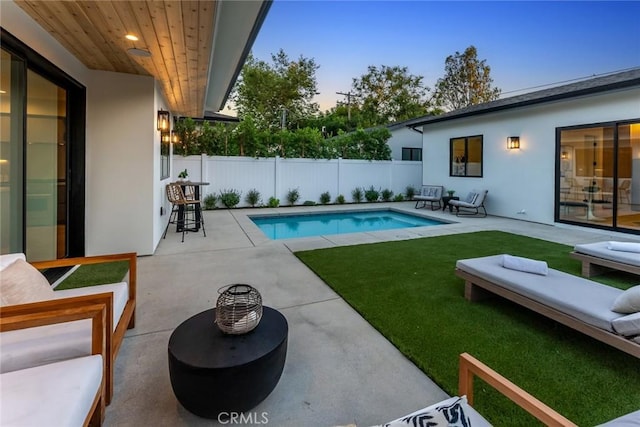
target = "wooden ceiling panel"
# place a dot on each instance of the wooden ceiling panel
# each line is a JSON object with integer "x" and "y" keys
{"x": 178, "y": 34}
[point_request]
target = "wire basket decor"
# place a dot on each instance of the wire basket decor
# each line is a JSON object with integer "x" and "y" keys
{"x": 238, "y": 309}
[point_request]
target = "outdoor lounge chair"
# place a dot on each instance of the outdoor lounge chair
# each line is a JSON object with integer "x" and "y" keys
{"x": 69, "y": 392}
{"x": 471, "y": 205}
{"x": 431, "y": 194}
{"x": 459, "y": 409}
{"x": 62, "y": 342}
{"x": 597, "y": 258}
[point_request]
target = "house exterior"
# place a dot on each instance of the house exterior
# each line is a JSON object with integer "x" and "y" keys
{"x": 83, "y": 164}
{"x": 578, "y": 160}
{"x": 405, "y": 142}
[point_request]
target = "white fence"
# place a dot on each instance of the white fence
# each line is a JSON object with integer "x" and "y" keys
{"x": 274, "y": 177}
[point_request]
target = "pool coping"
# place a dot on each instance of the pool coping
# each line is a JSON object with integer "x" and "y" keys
{"x": 258, "y": 238}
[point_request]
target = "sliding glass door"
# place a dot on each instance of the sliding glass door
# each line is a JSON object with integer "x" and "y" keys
{"x": 42, "y": 156}
{"x": 599, "y": 168}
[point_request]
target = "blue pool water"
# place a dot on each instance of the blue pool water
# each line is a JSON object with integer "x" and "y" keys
{"x": 306, "y": 225}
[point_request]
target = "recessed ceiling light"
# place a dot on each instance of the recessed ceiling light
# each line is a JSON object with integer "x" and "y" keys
{"x": 131, "y": 37}
{"x": 139, "y": 52}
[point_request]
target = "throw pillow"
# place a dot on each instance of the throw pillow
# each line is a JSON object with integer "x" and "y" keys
{"x": 21, "y": 283}
{"x": 628, "y": 301}
{"x": 525, "y": 264}
{"x": 449, "y": 412}
{"x": 471, "y": 197}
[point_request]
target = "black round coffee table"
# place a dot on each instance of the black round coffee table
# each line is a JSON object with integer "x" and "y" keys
{"x": 214, "y": 374}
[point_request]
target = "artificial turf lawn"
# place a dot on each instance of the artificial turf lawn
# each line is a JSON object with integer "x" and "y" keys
{"x": 408, "y": 291}
{"x": 95, "y": 274}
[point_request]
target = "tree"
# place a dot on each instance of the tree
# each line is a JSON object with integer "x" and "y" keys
{"x": 269, "y": 91}
{"x": 390, "y": 94}
{"x": 466, "y": 82}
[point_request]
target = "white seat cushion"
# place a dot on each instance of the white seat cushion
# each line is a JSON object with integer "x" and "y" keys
{"x": 58, "y": 394}
{"x": 53, "y": 343}
{"x": 599, "y": 249}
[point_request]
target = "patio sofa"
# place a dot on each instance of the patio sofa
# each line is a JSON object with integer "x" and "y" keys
{"x": 576, "y": 302}
{"x": 431, "y": 194}
{"x": 65, "y": 393}
{"x": 21, "y": 283}
{"x": 600, "y": 257}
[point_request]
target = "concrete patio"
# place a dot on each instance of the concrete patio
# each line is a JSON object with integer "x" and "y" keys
{"x": 339, "y": 370}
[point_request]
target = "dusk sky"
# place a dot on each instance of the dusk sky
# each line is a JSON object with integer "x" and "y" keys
{"x": 526, "y": 44}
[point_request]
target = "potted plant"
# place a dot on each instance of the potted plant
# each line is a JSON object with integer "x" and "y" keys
{"x": 450, "y": 192}
{"x": 183, "y": 175}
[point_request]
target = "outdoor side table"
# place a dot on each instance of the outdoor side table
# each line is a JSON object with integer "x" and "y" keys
{"x": 445, "y": 202}
{"x": 213, "y": 373}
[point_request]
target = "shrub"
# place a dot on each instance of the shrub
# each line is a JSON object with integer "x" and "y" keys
{"x": 309, "y": 203}
{"x": 357, "y": 194}
{"x": 386, "y": 194}
{"x": 209, "y": 202}
{"x": 340, "y": 199}
{"x": 230, "y": 198}
{"x": 325, "y": 198}
{"x": 273, "y": 202}
{"x": 253, "y": 197}
{"x": 410, "y": 191}
{"x": 372, "y": 195}
{"x": 398, "y": 198}
{"x": 292, "y": 196}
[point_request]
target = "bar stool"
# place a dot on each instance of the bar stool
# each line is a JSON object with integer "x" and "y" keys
{"x": 183, "y": 212}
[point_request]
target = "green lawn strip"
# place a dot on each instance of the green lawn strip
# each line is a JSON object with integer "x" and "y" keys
{"x": 95, "y": 274}
{"x": 408, "y": 291}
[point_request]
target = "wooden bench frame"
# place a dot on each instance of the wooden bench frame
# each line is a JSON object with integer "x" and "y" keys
{"x": 127, "y": 319}
{"x": 471, "y": 367}
{"x": 593, "y": 265}
{"x": 31, "y": 315}
{"x": 476, "y": 289}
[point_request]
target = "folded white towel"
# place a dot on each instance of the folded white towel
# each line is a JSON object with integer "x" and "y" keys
{"x": 624, "y": 246}
{"x": 525, "y": 264}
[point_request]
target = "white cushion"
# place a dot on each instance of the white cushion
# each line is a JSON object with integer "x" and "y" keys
{"x": 628, "y": 325}
{"x": 631, "y": 419}
{"x": 8, "y": 259}
{"x": 53, "y": 343}
{"x": 628, "y": 301}
{"x": 60, "y": 393}
{"x": 21, "y": 283}
{"x": 599, "y": 249}
{"x": 449, "y": 412}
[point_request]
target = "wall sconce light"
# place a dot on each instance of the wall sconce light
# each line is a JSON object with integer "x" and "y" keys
{"x": 564, "y": 155}
{"x": 175, "y": 138}
{"x": 163, "y": 121}
{"x": 513, "y": 142}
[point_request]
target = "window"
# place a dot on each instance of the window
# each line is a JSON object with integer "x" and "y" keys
{"x": 465, "y": 156}
{"x": 412, "y": 154}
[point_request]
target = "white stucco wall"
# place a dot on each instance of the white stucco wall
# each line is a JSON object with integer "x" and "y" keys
{"x": 520, "y": 179}
{"x": 120, "y": 163}
{"x": 403, "y": 138}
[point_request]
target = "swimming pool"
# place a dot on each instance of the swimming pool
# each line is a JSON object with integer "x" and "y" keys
{"x": 305, "y": 225}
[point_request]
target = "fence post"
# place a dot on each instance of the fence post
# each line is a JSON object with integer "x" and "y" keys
{"x": 338, "y": 180}
{"x": 204, "y": 174}
{"x": 276, "y": 177}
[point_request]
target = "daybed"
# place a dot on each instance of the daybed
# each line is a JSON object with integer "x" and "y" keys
{"x": 597, "y": 258}
{"x": 431, "y": 194}
{"x": 22, "y": 283}
{"x": 471, "y": 204}
{"x": 66, "y": 393}
{"x": 576, "y": 302}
